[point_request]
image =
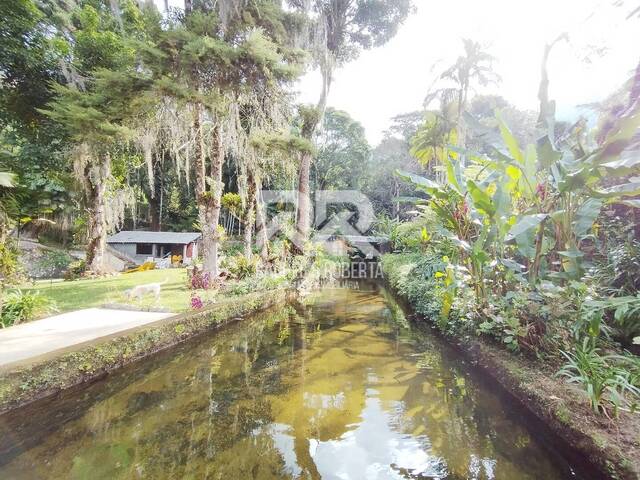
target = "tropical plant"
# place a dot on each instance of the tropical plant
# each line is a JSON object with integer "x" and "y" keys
{"x": 617, "y": 274}
{"x": 602, "y": 377}
{"x": 21, "y": 306}
{"x": 624, "y": 315}
{"x": 240, "y": 267}
{"x": 75, "y": 270}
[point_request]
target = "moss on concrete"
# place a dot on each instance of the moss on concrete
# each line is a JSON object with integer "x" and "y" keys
{"x": 26, "y": 384}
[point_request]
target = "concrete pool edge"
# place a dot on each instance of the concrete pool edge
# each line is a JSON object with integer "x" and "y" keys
{"x": 515, "y": 377}
{"x": 47, "y": 375}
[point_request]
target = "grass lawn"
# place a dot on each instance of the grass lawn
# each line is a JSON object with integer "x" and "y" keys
{"x": 79, "y": 294}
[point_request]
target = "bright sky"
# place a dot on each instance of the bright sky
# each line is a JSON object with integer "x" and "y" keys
{"x": 395, "y": 78}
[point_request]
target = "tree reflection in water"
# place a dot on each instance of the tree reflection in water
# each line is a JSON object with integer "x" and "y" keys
{"x": 339, "y": 387}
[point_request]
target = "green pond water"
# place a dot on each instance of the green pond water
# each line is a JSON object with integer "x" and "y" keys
{"x": 340, "y": 387}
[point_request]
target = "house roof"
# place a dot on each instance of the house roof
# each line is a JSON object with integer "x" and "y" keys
{"x": 139, "y": 236}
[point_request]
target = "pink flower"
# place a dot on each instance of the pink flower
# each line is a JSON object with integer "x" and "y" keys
{"x": 196, "y": 302}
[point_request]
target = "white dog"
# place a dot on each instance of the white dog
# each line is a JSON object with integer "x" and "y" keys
{"x": 142, "y": 290}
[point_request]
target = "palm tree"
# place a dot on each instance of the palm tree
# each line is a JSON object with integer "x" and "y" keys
{"x": 475, "y": 66}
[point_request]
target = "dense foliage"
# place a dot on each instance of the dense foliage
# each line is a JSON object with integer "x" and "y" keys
{"x": 505, "y": 223}
{"x": 115, "y": 114}
{"x": 526, "y": 244}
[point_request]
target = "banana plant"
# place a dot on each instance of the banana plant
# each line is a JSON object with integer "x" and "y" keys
{"x": 563, "y": 190}
{"x": 475, "y": 212}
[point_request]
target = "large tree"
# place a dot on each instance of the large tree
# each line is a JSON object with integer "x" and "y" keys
{"x": 340, "y": 29}
{"x": 447, "y": 124}
{"x": 224, "y": 64}
{"x": 343, "y": 152}
{"x": 382, "y": 185}
{"x": 31, "y": 145}
{"x": 96, "y": 105}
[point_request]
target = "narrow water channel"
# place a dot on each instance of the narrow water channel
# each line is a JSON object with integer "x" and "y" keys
{"x": 338, "y": 388}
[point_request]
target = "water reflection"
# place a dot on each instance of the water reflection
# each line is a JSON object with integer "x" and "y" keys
{"x": 337, "y": 388}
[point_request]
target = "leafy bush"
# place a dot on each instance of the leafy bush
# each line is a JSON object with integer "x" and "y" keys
{"x": 423, "y": 280}
{"x": 272, "y": 282}
{"x": 20, "y": 306}
{"x": 240, "y": 267}
{"x": 623, "y": 314}
{"x": 9, "y": 264}
{"x": 384, "y": 225}
{"x": 232, "y": 248}
{"x": 75, "y": 270}
{"x": 618, "y": 275}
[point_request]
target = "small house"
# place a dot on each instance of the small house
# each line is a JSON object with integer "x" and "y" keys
{"x": 143, "y": 246}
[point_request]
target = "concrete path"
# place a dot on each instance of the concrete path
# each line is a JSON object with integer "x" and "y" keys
{"x": 24, "y": 342}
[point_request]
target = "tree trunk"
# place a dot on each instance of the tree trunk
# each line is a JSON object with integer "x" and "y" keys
{"x": 303, "y": 216}
{"x": 249, "y": 216}
{"x": 209, "y": 201}
{"x": 154, "y": 214}
{"x": 395, "y": 205}
{"x": 1, "y": 298}
{"x": 261, "y": 227}
{"x": 97, "y": 226}
{"x": 204, "y": 199}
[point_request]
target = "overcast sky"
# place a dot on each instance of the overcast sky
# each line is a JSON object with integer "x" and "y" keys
{"x": 394, "y": 79}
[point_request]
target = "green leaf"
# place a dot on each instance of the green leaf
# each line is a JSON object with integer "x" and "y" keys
{"x": 627, "y": 163}
{"x": 634, "y": 203}
{"x": 413, "y": 200}
{"x": 586, "y": 215}
{"x": 448, "y": 234}
{"x": 481, "y": 199}
{"x": 7, "y": 179}
{"x": 571, "y": 253}
{"x": 451, "y": 175}
{"x": 419, "y": 182}
{"x": 511, "y": 265}
{"x": 525, "y": 224}
{"x": 509, "y": 140}
{"x": 625, "y": 190}
{"x": 526, "y": 245}
{"x": 547, "y": 155}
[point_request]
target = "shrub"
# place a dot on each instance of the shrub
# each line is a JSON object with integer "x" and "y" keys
{"x": 624, "y": 315}
{"x": 20, "y": 306}
{"x": 413, "y": 276}
{"x": 407, "y": 237}
{"x": 232, "y": 248}
{"x": 10, "y": 270}
{"x": 200, "y": 280}
{"x": 618, "y": 274}
{"x": 75, "y": 270}
{"x": 240, "y": 267}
